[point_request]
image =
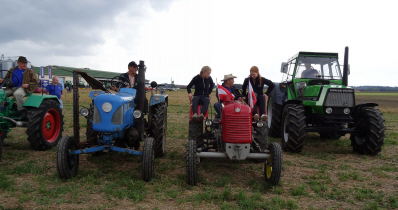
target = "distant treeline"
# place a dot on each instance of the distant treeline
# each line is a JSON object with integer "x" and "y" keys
{"x": 359, "y": 88}
{"x": 376, "y": 88}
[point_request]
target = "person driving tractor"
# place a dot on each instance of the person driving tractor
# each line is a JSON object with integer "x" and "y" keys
{"x": 226, "y": 92}
{"x": 130, "y": 75}
{"x": 257, "y": 82}
{"x": 21, "y": 81}
{"x": 309, "y": 72}
{"x": 204, "y": 85}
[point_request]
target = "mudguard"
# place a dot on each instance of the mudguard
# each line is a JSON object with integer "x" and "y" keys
{"x": 158, "y": 98}
{"x": 35, "y": 100}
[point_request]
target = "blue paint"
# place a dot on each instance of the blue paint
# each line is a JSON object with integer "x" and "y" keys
{"x": 105, "y": 148}
{"x": 157, "y": 99}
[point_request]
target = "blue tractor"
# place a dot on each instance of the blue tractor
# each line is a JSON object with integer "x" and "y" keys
{"x": 116, "y": 122}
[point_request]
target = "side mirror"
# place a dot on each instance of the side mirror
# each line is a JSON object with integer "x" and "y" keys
{"x": 284, "y": 67}
{"x": 154, "y": 84}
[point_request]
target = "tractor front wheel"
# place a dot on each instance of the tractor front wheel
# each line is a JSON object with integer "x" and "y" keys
{"x": 369, "y": 136}
{"x": 273, "y": 165}
{"x": 192, "y": 163}
{"x": 148, "y": 160}
{"x": 45, "y": 125}
{"x": 159, "y": 128}
{"x": 67, "y": 164}
{"x": 293, "y": 129}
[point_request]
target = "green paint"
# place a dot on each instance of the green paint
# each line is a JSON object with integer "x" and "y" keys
{"x": 35, "y": 100}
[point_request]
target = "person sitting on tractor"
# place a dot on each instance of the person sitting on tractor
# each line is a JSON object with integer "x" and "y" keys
{"x": 203, "y": 87}
{"x": 227, "y": 92}
{"x": 309, "y": 72}
{"x": 22, "y": 81}
{"x": 130, "y": 76}
{"x": 257, "y": 82}
{"x": 55, "y": 88}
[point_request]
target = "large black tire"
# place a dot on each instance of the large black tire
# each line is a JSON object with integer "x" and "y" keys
{"x": 159, "y": 128}
{"x": 148, "y": 160}
{"x": 192, "y": 163}
{"x": 273, "y": 165}
{"x": 293, "y": 128}
{"x": 195, "y": 130}
{"x": 369, "y": 136}
{"x": 261, "y": 136}
{"x": 45, "y": 125}
{"x": 67, "y": 164}
{"x": 274, "y": 119}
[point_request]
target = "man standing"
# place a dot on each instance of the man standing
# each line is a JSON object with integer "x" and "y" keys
{"x": 22, "y": 81}
{"x": 55, "y": 88}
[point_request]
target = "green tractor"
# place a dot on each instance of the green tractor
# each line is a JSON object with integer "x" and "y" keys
{"x": 43, "y": 119}
{"x": 314, "y": 97}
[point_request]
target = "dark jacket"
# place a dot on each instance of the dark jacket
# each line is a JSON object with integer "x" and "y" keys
{"x": 258, "y": 85}
{"x": 29, "y": 77}
{"x": 203, "y": 87}
{"x": 126, "y": 77}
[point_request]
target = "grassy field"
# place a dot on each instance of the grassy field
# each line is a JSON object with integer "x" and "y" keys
{"x": 325, "y": 175}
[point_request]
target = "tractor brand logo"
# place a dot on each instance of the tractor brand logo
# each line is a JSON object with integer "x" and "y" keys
{"x": 237, "y": 109}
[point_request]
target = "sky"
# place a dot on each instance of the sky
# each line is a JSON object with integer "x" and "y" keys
{"x": 176, "y": 38}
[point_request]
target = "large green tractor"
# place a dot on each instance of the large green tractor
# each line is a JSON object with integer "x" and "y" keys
{"x": 43, "y": 119}
{"x": 315, "y": 97}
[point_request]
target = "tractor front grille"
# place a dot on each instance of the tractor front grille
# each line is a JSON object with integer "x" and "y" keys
{"x": 237, "y": 128}
{"x": 117, "y": 117}
{"x": 96, "y": 115}
{"x": 340, "y": 97}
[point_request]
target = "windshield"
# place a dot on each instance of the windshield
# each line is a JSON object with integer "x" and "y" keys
{"x": 318, "y": 68}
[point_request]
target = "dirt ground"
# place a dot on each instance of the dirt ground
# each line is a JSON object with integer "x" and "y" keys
{"x": 326, "y": 174}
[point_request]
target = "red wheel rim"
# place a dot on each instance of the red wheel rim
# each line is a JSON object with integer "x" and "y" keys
{"x": 51, "y": 125}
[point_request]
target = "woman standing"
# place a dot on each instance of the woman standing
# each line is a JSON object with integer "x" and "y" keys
{"x": 203, "y": 84}
{"x": 258, "y": 83}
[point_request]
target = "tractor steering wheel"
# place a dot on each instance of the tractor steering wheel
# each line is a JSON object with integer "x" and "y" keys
{"x": 120, "y": 82}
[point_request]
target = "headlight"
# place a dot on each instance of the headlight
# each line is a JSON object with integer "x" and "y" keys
{"x": 263, "y": 117}
{"x": 208, "y": 122}
{"x": 106, "y": 107}
{"x": 256, "y": 117}
{"x": 137, "y": 114}
{"x": 346, "y": 110}
{"x": 260, "y": 124}
{"x": 84, "y": 112}
{"x": 329, "y": 110}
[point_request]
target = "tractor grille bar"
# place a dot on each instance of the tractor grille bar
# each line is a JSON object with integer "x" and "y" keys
{"x": 340, "y": 97}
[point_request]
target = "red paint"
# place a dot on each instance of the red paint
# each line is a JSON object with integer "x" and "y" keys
{"x": 51, "y": 125}
{"x": 236, "y": 126}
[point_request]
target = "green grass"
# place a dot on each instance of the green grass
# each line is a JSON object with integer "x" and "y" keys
{"x": 325, "y": 175}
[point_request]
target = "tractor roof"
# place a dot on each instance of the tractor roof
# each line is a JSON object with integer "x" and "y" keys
{"x": 314, "y": 54}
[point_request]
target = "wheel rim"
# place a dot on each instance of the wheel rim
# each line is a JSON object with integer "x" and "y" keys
{"x": 269, "y": 112}
{"x": 51, "y": 125}
{"x": 285, "y": 133}
{"x": 268, "y": 169}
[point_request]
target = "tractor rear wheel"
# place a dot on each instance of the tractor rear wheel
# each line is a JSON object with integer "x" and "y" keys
{"x": 159, "y": 128}
{"x": 293, "y": 129}
{"x": 273, "y": 165}
{"x": 261, "y": 136}
{"x": 148, "y": 160}
{"x": 192, "y": 163}
{"x": 45, "y": 125}
{"x": 274, "y": 119}
{"x": 67, "y": 164}
{"x": 369, "y": 136}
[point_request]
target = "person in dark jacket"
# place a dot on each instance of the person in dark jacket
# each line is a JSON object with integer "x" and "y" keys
{"x": 130, "y": 77}
{"x": 258, "y": 83}
{"x": 204, "y": 85}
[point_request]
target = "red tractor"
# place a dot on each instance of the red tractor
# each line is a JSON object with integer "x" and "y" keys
{"x": 237, "y": 134}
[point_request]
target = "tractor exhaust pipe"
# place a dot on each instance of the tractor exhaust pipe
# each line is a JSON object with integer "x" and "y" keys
{"x": 141, "y": 97}
{"x": 345, "y": 67}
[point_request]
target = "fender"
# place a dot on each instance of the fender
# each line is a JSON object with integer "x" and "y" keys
{"x": 35, "y": 100}
{"x": 360, "y": 106}
{"x": 158, "y": 98}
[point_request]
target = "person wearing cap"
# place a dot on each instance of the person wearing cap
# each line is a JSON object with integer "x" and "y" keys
{"x": 228, "y": 84}
{"x": 130, "y": 75}
{"x": 204, "y": 85}
{"x": 22, "y": 81}
{"x": 257, "y": 82}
